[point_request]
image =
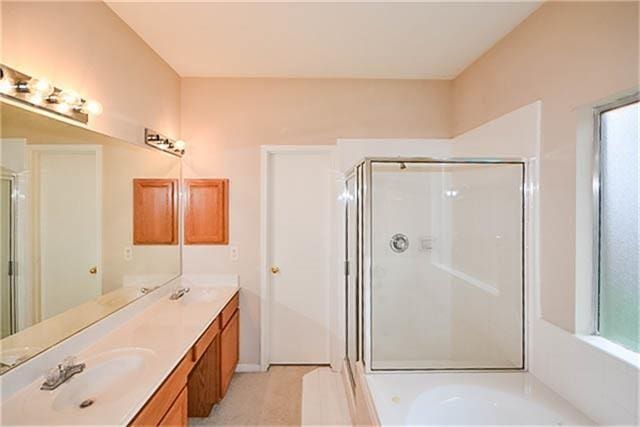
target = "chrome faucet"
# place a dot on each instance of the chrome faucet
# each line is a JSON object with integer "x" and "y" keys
{"x": 61, "y": 374}
{"x": 178, "y": 293}
{"x": 145, "y": 290}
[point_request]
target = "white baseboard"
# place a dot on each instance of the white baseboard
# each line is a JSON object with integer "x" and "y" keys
{"x": 248, "y": 367}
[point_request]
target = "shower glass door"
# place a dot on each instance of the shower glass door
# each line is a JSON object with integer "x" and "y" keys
{"x": 446, "y": 282}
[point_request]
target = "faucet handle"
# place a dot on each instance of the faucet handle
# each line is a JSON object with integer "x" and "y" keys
{"x": 52, "y": 375}
{"x": 68, "y": 362}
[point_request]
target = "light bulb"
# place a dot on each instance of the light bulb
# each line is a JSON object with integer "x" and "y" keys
{"x": 93, "y": 107}
{"x": 69, "y": 97}
{"x": 6, "y": 85}
{"x": 35, "y": 98}
{"x": 40, "y": 86}
{"x": 180, "y": 145}
{"x": 63, "y": 108}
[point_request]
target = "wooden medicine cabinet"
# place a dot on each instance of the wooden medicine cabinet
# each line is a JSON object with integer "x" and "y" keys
{"x": 206, "y": 217}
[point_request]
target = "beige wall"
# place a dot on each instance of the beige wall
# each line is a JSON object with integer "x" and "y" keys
{"x": 226, "y": 121}
{"x": 568, "y": 55}
{"x": 86, "y": 47}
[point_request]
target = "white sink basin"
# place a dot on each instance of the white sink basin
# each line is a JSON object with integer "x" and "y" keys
{"x": 199, "y": 295}
{"x": 108, "y": 378}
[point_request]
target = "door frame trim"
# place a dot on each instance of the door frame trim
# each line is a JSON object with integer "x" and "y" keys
{"x": 265, "y": 292}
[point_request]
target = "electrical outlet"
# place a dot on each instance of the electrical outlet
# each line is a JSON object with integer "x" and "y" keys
{"x": 128, "y": 253}
{"x": 233, "y": 253}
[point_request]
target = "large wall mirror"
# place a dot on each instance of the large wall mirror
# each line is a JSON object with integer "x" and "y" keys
{"x": 68, "y": 256}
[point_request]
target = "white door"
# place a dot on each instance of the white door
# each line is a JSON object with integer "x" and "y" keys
{"x": 298, "y": 252}
{"x": 68, "y": 185}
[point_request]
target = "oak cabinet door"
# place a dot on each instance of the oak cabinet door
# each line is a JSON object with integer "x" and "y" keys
{"x": 229, "y": 351}
{"x": 204, "y": 381}
{"x": 155, "y": 212}
{"x": 206, "y": 211}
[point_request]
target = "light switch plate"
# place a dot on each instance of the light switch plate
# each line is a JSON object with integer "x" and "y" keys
{"x": 128, "y": 253}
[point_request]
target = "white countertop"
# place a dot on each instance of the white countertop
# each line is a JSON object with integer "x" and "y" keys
{"x": 165, "y": 331}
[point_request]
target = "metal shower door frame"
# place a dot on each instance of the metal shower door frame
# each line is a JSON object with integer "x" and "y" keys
{"x": 366, "y": 276}
{"x": 13, "y": 295}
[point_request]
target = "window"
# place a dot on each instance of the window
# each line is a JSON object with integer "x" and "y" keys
{"x": 617, "y": 248}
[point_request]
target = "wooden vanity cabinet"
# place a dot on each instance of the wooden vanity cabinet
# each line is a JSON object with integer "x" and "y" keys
{"x": 202, "y": 377}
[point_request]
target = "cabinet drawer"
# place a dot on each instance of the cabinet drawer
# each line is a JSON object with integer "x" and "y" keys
{"x": 205, "y": 340}
{"x": 230, "y": 308}
{"x": 160, "y": 403}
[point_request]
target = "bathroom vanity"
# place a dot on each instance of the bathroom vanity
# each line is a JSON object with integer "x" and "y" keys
{"x": 168, "y": 360}
{"x": 202, "y": 377}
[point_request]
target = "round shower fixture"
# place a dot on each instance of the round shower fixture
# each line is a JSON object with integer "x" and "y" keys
{"x": 399, "y": 243}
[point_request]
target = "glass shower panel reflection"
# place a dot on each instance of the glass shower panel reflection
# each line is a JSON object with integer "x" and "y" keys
{"x": 351, "y": 284}
{"x": 447, "y": 265}
{"x": 7, "y": 306}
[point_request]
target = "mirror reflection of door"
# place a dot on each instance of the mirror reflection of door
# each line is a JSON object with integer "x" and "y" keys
{"x": 7, "y": 289}
{"x": 67, "y": 184}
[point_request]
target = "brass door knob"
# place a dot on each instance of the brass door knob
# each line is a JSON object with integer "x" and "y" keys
{"x": 93, "y": 270}
{"x": 275, "y": 269}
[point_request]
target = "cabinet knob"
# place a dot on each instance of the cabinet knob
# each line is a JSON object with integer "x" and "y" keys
{"x": 93, "y": 270}
{"x": 275, "y": 269}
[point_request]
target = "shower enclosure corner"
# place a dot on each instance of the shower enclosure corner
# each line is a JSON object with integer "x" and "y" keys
{"x": 435, "y": 264}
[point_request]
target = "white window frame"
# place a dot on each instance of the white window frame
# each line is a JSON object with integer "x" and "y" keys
{"x": 597, "y": 205}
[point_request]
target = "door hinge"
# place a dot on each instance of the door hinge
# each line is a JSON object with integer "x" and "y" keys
{"x": 11, "y": 268}
{"x": 346, "y": 268}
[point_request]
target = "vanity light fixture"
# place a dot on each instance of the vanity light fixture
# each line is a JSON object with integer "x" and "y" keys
{"x": 161, "y": 142}
{"x": 41, "y": 93}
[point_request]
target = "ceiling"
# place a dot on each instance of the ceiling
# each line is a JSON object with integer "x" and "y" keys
{"x": 433, "y": 40}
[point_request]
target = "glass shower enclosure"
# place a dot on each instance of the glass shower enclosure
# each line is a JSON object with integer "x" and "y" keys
{"x": 435, "y": 264}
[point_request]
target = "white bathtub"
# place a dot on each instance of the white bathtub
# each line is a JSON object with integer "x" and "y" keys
{"x": 468, "y": 398}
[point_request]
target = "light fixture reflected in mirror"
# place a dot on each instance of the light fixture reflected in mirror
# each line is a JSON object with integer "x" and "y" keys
{"x": 41, "y": 93}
